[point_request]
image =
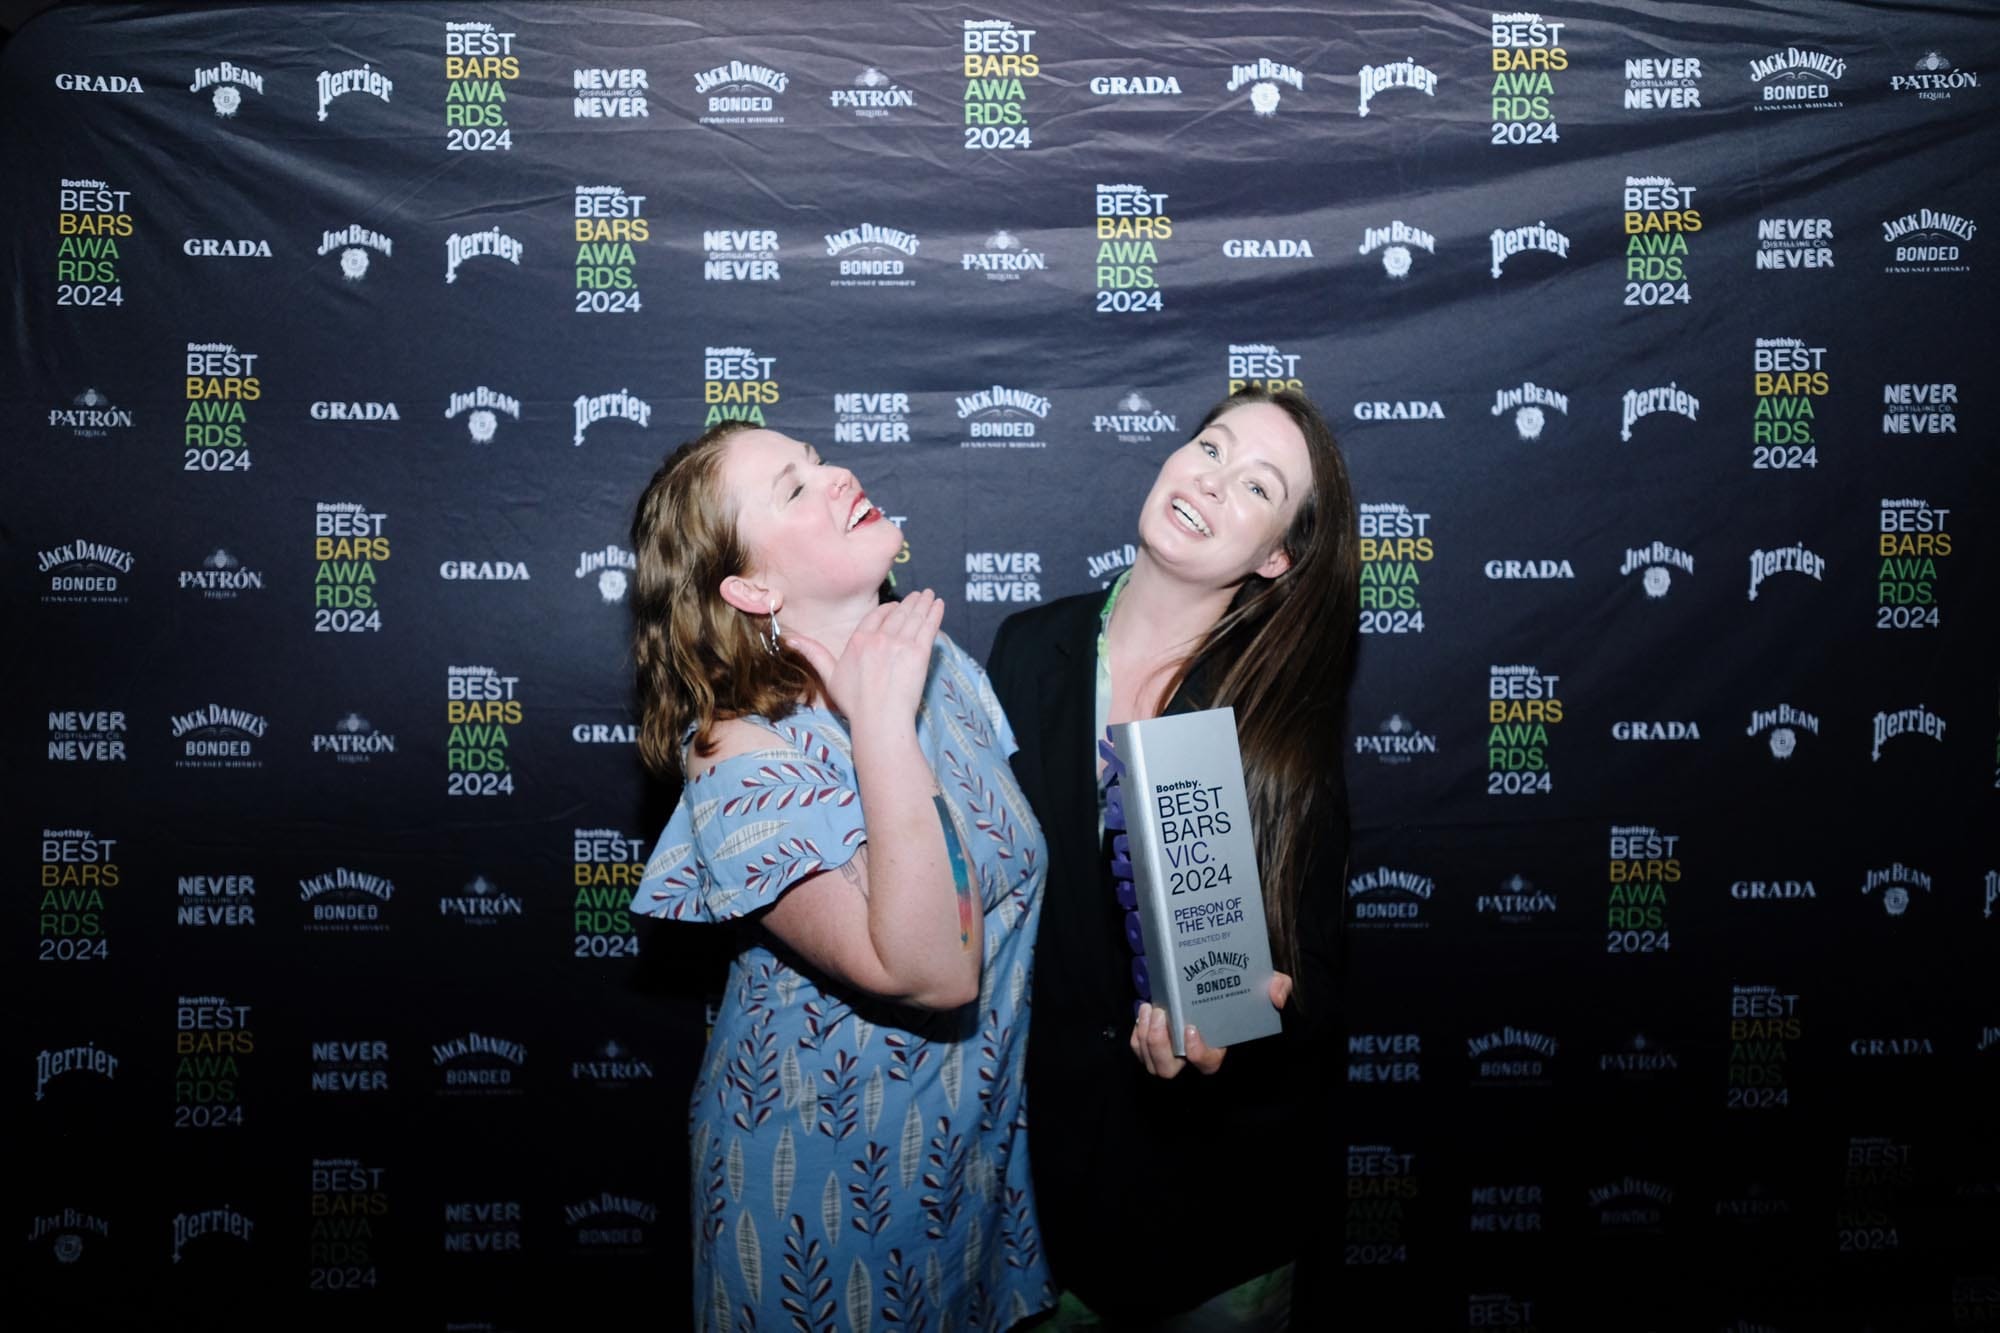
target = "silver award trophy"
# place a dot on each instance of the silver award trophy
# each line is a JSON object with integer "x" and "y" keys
{"x": 1197, "y": 911}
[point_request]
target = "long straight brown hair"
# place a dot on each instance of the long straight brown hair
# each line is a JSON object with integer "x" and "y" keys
{"x": 699, "y": 659}
{"x": 1280, "y": 656}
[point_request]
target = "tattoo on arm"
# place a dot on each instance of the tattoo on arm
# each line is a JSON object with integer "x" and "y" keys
{"x": 960, "y": 880}
{"x": 850, "y": 870}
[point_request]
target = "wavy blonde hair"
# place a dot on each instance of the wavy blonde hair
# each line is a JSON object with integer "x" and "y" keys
{"x": 699, "y": 659}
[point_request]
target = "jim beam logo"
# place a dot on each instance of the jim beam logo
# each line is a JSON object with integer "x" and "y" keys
{"x": 350, "y": 1067}
{"x": 615, "y": 93}
{"x": 477, "y": 1064}
{"x": 1003, "y": 418}
{"x": 354, "y": 245}
{"x": 459, "y": 247}
{"x": 367, "y": 80}
{"x": 1793, "y": 559}
{"x": 1638, "y": 1058}
{"x": 1374, "y": 80}
{"x": 85, "y": 1059}
{"x": 84, "y": 572}
{"x": 67, "y": 1232}
{"x": 87, "y": 737}
{"x": 225, "y": 83}
{"x": 1918, "y": 721}
{"x": 1655, "y": 563}
{"x": 872, "y": 96}
{"x": 737, "y": 384}
{"x": 1787, "y": 243}
{"x": 1796, "y": 79}
{"x": 741, "y": 92}
{"x": 1134, "y": 420}
{"x": 1631, "y": 1204}
{"x": 740, "y": 255}
{"x": 1003, "y": 257}
{"x": 90, "y": 416}
{"x": 1395, "y": 242}
{"x": 881, "y": 417}
{"x": 215, "y": 900}
{"x": 1663, "y": 83}
{"x": 613, "y": 1223}
{"x": 1780, "y": 727}
{"x": 224, "y": 1221}
{"x": 346, "y": 902}
{"x": 1506, "y": 242}
{"x": 1385, "y": 1057}
{"x": 1933, "y": 78}
{"x": 482, "y": 409}
{"x": 1928, "y": 240}
{"x": 1396, "y": 741}
{"x": 1897, "y": 886}
{"x": 1533, "y": 409}
{"x": 612, "y": 1066}
{"x": 999, "y": 61}
{"x": 1263, "y": 366}
{"x": 1515, "y": 901}
{"x": 480, "y": 902}
{"x": 479, "y": 63}
{"x": 1384, "y": 898}
{"x": 608, "y": 570}
{"x": 218, "y": 737}
{"x": 619, "y": 405}
{"x": 1527, "y": 55}
{"x": 1267, "y": 79}
{"x": 1638, "y": 404}
{"x": 353, "y": 740}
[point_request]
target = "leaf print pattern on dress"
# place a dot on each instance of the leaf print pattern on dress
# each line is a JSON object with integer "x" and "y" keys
{"x": 808, "y": 1299}
{"x": 887, "y": 1150}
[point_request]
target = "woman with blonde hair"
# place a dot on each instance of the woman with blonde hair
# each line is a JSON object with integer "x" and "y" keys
{"x": 858, "y": 1149}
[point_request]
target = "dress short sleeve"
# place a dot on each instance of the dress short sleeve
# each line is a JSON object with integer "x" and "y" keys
{"x": 753, "y": 825}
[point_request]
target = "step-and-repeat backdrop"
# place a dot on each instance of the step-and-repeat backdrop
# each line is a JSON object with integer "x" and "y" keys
{"x": 1659, "y": 339}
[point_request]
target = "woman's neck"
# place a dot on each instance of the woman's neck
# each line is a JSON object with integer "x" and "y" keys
{"x": 1160, "y": 620}
{"x": 831, "y": 624}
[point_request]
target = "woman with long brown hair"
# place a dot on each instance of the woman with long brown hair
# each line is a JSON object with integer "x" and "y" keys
{"x": 1243, "y": 593}
{"x": 858, "y": 1151}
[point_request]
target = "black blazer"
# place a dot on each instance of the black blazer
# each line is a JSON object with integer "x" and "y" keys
{"x": 1116, "y": 1152}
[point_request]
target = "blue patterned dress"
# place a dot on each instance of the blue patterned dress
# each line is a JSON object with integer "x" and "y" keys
{"x": 859, "y": 1165}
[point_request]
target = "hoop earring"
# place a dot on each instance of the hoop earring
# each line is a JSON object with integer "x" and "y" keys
{"x": 770, "y": 640}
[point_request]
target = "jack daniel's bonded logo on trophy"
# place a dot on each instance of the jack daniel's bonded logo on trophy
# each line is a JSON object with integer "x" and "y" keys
{"x": 1194, "y": 873}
